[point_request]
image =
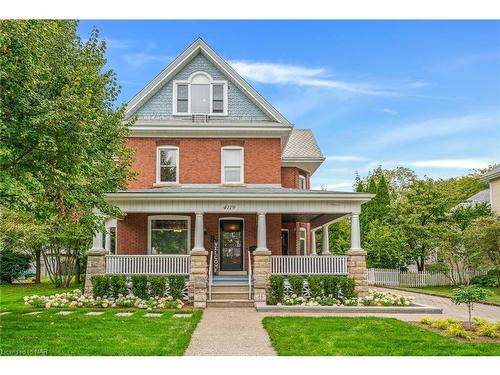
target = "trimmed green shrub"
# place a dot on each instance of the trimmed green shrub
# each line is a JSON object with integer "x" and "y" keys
{"x": 176, "y": 284}
{"x": 140, "y": 286}
{"x": 297, "y": 284}
{"x": 157, "y": 286}
{"x": 315, "y": 286}
{"x": 347, "y": 285}
{"x": 100, "y": 285}
{"x": 485, "y": 280}
{"x": 277, "y": 289}
{"x": 118, "y": 285}
{"x": 331, "y": 286}
{"x": 12, "y": 265}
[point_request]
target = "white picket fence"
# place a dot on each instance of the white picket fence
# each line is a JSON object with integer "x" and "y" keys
{"x": 394, "y": 277}
{"x": 147, "y": 264}
{"x": 309, "y": 265}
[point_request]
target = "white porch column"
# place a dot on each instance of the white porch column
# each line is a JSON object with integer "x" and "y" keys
{"x": 261, "y": 231}
{"x": 107, "y": 241}
{"x": 326, "y": 243}
{"x": 313, "y": 243}
{"x": 198, "y": 232}
{"x": 355, "y": 233}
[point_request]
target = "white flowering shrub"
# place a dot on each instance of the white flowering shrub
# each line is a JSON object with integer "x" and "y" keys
{"x": 374, "y": 298}
{"x": 77, "y": 299}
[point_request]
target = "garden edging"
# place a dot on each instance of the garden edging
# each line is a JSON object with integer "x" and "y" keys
{"x": 414, "y": 309}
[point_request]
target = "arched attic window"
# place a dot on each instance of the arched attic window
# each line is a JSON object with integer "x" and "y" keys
{"x": 200, "y": 94}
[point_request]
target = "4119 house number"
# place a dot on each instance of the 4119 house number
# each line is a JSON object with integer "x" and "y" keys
{"x": 229, "y": 207}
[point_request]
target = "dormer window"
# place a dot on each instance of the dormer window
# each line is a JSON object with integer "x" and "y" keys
{"x": 200, "y": 94}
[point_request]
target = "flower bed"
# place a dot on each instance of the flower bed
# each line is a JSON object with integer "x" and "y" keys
{"x": 375, "y": 298}
{"x": 452, "y": 327}
{"x": 76, "y": 299}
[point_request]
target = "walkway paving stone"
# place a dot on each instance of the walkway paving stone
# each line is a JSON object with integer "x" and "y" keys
{"x": 152, "y": 315}
{"x": 185, "y": 316}
{"x": 124, "y": 314}
{"x": 33, "y": 313}
{"x": 5, "y": 313}
{"x": 95, "y": 313}
{"x": 230, "y": 331}
{"x": 65, "y": 312}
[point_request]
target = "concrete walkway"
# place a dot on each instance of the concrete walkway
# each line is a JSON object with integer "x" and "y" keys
{"x": 230, "y": 331}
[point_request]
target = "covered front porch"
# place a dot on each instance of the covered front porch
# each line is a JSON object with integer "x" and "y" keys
{"x": 241, "y": 233}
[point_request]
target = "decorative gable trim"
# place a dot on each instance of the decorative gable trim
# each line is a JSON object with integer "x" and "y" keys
{"x": 199, "y": 46}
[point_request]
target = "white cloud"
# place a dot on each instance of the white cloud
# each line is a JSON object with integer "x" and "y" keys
{"x": 438, "y": 128}
{"x": 315, "y": 77}
{"x": 464, "y": 164}
{"x": 389, "y": 111}
{"x": 118, "y": 43}
{"x": 345, "y": 158}
{"x": 139, "y": 59}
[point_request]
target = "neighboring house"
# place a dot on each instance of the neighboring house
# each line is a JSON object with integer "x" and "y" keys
{"x": 493, "y": 179}
{"x": 482, "y": 197}
{"x": 221, "y": 173}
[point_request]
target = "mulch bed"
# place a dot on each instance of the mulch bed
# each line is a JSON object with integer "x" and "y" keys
{"x": 475, "y": 338}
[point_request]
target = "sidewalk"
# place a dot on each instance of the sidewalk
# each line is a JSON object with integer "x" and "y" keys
{"x": 230, "y": 331}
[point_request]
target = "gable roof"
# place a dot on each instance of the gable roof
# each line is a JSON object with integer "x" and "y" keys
{"x": 199, "y": 46}
{"x": 482, "y": 197}
{"x": 491, "y": 175}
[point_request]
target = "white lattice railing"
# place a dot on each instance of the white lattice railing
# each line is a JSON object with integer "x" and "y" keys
{"x": 309, "y": 265}
{"x": 147, "y": 264}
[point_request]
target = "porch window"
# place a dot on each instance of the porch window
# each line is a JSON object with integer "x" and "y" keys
{"x": 232, "y": 165}
{"x": 302, "y": 182}
{"x": 169, "y": 235}
{"x": 167, "y": 161}
{"x": 303, "y": 241}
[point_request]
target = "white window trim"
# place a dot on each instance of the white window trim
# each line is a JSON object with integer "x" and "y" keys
{"x": 302, "y": 178}
{"x": 242, "y": 169}
{"x": 158, "y": 174}
{"x": 169, "y": 217}
{"x": 188, "y": 83}
{"x": 303, "y": 230}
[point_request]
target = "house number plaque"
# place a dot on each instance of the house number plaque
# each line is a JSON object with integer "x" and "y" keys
{"x": 229, "y": 207}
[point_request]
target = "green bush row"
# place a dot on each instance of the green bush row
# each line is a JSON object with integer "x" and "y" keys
{"x": 143, "y": 286}
{"x": 319, "y": 286}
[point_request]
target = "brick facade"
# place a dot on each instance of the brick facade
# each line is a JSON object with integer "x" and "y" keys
{"x": 290, "y": 177}
{"x": 200, "y": 160}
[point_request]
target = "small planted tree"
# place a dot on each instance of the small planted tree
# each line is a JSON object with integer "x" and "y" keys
{"x": 469, "y": 295}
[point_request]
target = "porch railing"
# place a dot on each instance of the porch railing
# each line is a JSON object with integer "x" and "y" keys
{"x": 147, "y": 264}
{"x": 309, "y": 265}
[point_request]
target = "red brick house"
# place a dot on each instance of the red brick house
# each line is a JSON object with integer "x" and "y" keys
{"x": 221, "y": 174}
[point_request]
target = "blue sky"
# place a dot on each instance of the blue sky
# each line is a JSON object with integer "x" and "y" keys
{"x": 421, "y": 94}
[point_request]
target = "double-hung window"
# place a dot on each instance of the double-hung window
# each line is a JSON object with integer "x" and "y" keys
{"x": 168, "y": 234}
{"x": 232, "y": 165}
{"x": 167, "y": 164}
{"x": 302, "y": 182}
{"x": 303, "y": 241}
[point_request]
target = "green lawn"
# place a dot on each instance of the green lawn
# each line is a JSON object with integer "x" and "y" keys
{"x": 446, "y": 291}
{"x": 78, "y": 334}
{"x": 364, "y": 336}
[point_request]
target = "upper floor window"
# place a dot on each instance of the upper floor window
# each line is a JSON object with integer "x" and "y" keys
{"x": 200, "y": 94}
{"x": 302, "y": 182}
{"x": 167, "y": 160}
{"x": 232, "y": 165}
{"x": 303, "y": 241}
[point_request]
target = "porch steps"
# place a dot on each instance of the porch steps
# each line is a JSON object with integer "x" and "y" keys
{"x": 230, "y": 292}
{"x": 230, "y": 303}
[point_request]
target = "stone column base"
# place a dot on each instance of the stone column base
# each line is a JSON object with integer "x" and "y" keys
{"x": 96, "y": 265}
{"x": 261, "y": 275}
{"x": 356, "y": 268}
{"x": 198, "y": 278}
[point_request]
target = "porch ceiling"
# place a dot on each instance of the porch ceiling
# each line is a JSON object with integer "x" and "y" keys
{"x": 316, "y": 220}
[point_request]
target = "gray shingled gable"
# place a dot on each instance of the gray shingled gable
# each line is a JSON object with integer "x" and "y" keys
{"x": 301, "y": 145}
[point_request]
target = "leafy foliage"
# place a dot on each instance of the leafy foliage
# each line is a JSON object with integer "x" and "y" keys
{"x": 118, "y": 285}
{"x": 140, "y": 286}
{"x": 12, "y": 265}
{"x": 176, "y": 284}
{"x": 315, "y": 287}
{"x": 100, "y": 285}
{"x": 297, "y": 284}
{"x": 469, "y": 295}
{"x": 277, "y": 284}
{"x": 157, "y": 286}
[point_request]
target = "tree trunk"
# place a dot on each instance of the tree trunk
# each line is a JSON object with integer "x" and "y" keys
{"x": 38, "y": 267}
{"x": 77, "y": 268}
{"x": 470, "y": 315}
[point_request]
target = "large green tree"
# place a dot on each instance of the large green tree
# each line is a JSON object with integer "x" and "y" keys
{"x": 62, "y": 138}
